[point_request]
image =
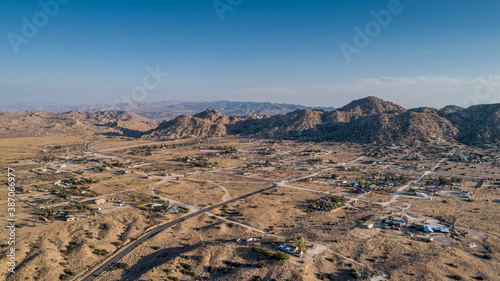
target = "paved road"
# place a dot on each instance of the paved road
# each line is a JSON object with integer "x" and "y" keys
{"x": 130, "y": 247}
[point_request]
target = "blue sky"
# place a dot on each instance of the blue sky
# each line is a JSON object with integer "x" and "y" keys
{"x": 430, "y": 53}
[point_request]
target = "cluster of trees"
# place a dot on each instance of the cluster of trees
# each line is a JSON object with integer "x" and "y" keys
{"x": 384, "y": 179}
{"x": 446, "y": 181}
{"x": 204, "y": 164}
{"x": 77, "y": 207}
{"x": 315, "y": 161}
{"x": 281, "y": 256}
{"x": 81, "y": 181}
{"x": 471, "y": 158}
{"x": 224, "y": 149}
{"x": 332, "y": 203}
{"x": 162, "y": 207}
{"x": 49, "y": 213}
{"x": 198, "y": 162}
{"x": 67, "y": 193}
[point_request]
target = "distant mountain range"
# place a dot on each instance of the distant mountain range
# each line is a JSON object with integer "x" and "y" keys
{"x": 365, "y": 120}
{"x": 169, "y": 109}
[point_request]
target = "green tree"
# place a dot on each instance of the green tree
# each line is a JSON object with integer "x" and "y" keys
{"x": 302, "y": 244}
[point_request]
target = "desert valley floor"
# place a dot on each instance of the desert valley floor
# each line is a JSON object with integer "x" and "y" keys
{"x": 220, "y": 208}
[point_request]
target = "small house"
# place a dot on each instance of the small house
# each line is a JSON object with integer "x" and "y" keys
{"x": 154, "y": 206}
{"x": 70, "y": 217}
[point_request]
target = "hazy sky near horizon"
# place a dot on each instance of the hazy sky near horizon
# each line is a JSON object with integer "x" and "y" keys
{"x": 316, "y": 53}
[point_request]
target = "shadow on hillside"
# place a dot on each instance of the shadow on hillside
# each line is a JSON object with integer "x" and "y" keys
{"x": 124, "y": 132}
{"x": 161, "y": 257}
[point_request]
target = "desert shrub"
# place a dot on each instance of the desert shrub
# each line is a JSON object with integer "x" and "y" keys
{"x": 100, "y": 252}
{"x": 355, "y": 273}
{"x": 123, "y": 236}
{"x": 281, "y": 256}
{"x": 264, "y": 251}
{"x": 122, "y": 265}
{"x": 187, "y": 266}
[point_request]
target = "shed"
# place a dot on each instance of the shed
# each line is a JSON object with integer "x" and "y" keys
{"x": 70, "y": 217}
{"x": 432, "y": 228}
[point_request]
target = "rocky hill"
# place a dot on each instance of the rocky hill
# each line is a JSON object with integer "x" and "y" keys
{"x": 40, "y": 123}
{"x": 370, "y": 106}
{"x": 364, "y": 120}
{"x": 477, "y": 124}
{"x": 207, "y": 123}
